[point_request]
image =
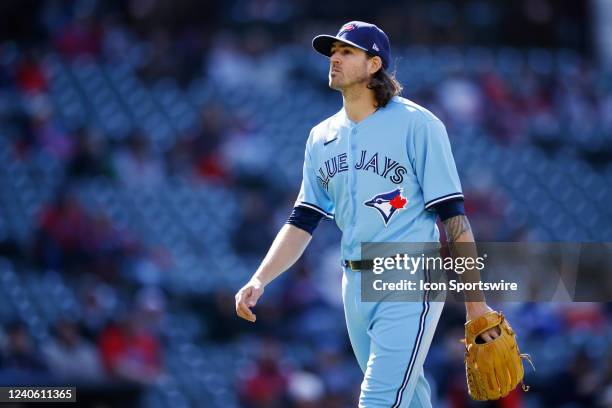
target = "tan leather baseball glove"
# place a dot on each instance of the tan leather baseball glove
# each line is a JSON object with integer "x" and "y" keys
{"x": 495, "y": 368}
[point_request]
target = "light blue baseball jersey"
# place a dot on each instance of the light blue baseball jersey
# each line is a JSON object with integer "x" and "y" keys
{"x": 380, "y": 178}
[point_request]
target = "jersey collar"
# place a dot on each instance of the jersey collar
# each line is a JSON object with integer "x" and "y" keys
{"x": 346, "y": 121}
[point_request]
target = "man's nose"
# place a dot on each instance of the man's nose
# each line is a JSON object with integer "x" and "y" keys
{"x": 334, "y": 59}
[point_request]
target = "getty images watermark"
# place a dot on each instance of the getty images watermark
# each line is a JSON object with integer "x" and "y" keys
{"x": 500, "y": 271}
{"x": 412, "y": 264}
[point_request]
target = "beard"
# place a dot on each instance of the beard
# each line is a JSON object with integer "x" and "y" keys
{"x": 341, "y": 81}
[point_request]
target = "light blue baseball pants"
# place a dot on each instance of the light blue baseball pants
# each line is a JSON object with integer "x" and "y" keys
{"x": 390, "y": 341}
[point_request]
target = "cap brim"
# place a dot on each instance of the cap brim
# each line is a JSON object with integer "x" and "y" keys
{"x": 323, "y": 43}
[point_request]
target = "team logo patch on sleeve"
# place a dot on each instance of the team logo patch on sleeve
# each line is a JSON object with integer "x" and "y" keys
{"x": 387, "y": 204}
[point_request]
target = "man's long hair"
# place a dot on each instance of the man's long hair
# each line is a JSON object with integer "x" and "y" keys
{"x": 385, "y": 87}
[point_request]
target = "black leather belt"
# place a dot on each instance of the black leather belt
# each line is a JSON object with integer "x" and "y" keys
{"x": 368, "y": 264}
{"x": 360, "y": 265}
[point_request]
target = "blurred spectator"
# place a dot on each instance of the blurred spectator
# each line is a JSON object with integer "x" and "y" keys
{"x": 20, "y": 359}
{"x": 90, "y": 157}
{"x": 340, "y": 374}
{"x": 302, "y": 291}
{"x": 574, "y": 384}
{"x": 48, "y": 132}
{"x": 221, "y": 317}
{"x": 207, "y": 159}
{"x": 253, "y": 238}
{"x": 308, "y": 316}
{"x": 20, "y": 352}
{"x": 179, "y": 158}
{"x": 99, "y": 302}
{"x": 228, "y": 64}
{"x": 151, "y": 304}
{"x": 485, "y": 208}
{"x": 584, "y": 316}
{"x": 70, "y": 356}
{"x": 461, "y": 99}
{"x": 162, "y": 61}
{"x": 63, "y": 232}
{"x": 136, "y": 165}
{"x": 68, "y": 237}
{"x": 266, "y": 385}
{"x": 305, "y": 390}
{"x": 130, "y": 351}
{"x": 80, "y": 37}
{"x": 10, "y": 248}
{"x": 30, "y": 75}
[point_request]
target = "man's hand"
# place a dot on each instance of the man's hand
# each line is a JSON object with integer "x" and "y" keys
{"x": 476, "y": 309}
{"x": 247, "y": 297}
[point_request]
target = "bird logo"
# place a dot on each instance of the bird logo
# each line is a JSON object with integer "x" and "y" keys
{"x": 388, "y": 204}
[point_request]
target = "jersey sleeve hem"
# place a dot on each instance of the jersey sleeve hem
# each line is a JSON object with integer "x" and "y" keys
{"x": 452, "y": 196}
{"x": 302, "y": 227}
{"x": 315, "y": 208}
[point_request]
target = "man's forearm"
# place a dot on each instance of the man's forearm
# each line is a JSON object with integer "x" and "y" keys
{"x": 461, "y": 245}
{"x": 288, "y": 246}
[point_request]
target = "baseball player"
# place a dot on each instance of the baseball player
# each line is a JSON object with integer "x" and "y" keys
{"x": 382, "y": 167}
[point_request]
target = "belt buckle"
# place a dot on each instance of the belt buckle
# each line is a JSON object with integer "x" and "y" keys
{"x": 358, "y": 265}
{"x": 349, "y": 264}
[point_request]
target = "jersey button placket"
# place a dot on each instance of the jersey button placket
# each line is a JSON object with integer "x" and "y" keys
{"x": 353, "y": 180}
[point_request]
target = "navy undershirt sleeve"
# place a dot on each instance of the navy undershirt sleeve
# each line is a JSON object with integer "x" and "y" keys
{"x": 450, "y": 208}
{"x": 304, "y": 218}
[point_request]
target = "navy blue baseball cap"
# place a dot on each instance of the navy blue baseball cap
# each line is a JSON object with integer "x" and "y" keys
{"x": 365, "y": 36}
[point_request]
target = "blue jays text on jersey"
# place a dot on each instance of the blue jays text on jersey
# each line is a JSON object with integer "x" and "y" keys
{"x": 380, "y": 178}
{"x": 367, "y": 162}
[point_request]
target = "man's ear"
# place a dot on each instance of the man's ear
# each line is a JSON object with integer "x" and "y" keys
{"x": 374, "y": 65}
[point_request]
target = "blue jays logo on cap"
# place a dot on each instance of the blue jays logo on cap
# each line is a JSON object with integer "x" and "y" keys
{"x": 388, "y": 204}
{"x": 346, "y": 27}
{"x": 364, "y": 36}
